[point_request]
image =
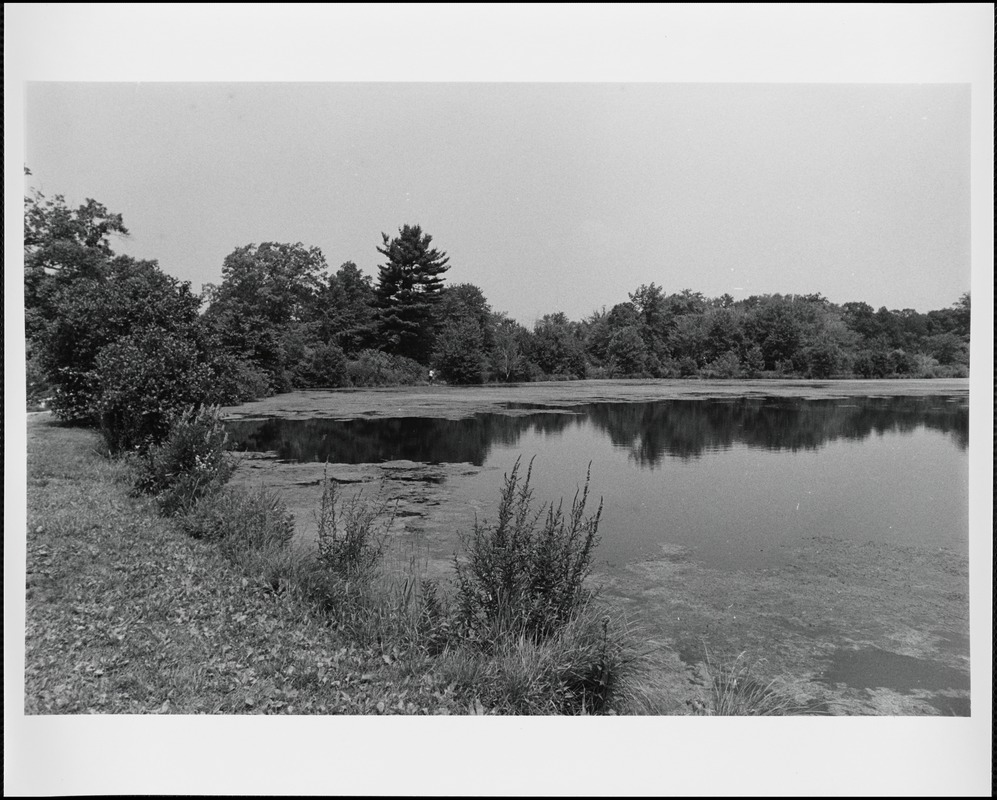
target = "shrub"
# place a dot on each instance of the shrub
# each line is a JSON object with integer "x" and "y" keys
{"x": 820, "y": 360}
{"x": 143, "y": 380}
{"x": 688, "y": 367}
{"x": 374, "y": 368}
{"x": 110, "y": 308}
{"x": 235, "y": 380}
{"x": 38, "y": 390}
{"x": 520, "y": 575}
{"x": 727, "y": 365}
{"x": 189, "y": 464}
{"x": 324, "y": 365}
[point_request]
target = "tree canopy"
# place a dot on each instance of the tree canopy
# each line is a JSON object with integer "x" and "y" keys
{"x": 408, "y": 289}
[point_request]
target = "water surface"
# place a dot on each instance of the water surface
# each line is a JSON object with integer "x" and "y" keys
{"x": 735, "y": 483}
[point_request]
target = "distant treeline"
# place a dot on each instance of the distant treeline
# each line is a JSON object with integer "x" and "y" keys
{"x": 115, "y": 340}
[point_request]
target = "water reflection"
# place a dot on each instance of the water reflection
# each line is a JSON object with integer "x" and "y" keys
{"x": 683, "y": 429}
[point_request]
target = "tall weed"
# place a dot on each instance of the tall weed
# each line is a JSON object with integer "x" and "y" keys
{"x": 521, "y": 574}
{"x": 344, "y": 577}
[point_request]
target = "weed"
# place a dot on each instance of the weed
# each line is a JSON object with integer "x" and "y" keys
{"x": 520, "y": 575}
{"x": 351, "y": 534}
{"x": 189, "y": 464}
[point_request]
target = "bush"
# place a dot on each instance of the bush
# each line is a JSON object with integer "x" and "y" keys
{"x": 325, "y": 366}
{"x": 235, "y": 380}
{"x": 113, "y": 306}
{"x": 688, "y": 367}
{"x": 375, "y": 368}
{"x": 143, "y": 380}
{"x": 727, "y": 365}
{"x": 521, "y": 576}
{"x": 189, "y": 464}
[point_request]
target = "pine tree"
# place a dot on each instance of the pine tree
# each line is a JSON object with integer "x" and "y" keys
{"x": 409, "y": 287}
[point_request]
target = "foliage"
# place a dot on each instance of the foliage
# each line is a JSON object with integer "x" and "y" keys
{"x": 345, "y": 310}
{"x": 125, "y": 297}
{"x": 521, "y": 575}
{"x": 408, "y": 290}
{"x": 264, "y": 309}
{"x": 235, "y": 380}
{"x": 557, "y": 347}
{"x": 142, "y": 381}
{"x": 324, "y": 365}
{"x": 511, "y": 344}
{"x": 376, "y": 368}
{"x": 189, "y": 464}
{"x": 727, "y": 365}
{"x": 627, "y": 352}
{"x": 61, "y": 245}
{"x": 460, "y": 351}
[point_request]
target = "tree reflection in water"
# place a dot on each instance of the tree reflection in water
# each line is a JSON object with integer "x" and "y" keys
{"x": 683, "y": 429}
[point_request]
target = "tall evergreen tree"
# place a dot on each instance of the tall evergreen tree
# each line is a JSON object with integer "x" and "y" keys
{"x": 408, "y": 289}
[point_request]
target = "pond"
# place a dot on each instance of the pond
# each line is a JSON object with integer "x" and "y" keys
{"x": 731, "y": 480}
{"x": 828, "y": 535}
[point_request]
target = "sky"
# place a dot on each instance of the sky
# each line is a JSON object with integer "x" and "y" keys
{"x": 562, "y": 155}
{"x": 548, "y": 196}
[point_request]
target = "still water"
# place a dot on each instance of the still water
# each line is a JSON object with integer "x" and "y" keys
{"x": 735, "y": 483}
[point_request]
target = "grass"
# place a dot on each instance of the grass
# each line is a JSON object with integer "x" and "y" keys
{"x": 737, "y": 691}
{"x": 125, "y": 613}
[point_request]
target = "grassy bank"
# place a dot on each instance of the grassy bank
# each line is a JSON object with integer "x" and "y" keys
{"x": 126, "y": 613}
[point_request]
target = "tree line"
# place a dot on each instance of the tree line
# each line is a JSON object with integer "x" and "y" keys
{"x": 116, "y": 341}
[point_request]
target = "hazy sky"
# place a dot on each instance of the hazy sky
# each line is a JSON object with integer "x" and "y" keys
{"x": 548, "y": 196}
